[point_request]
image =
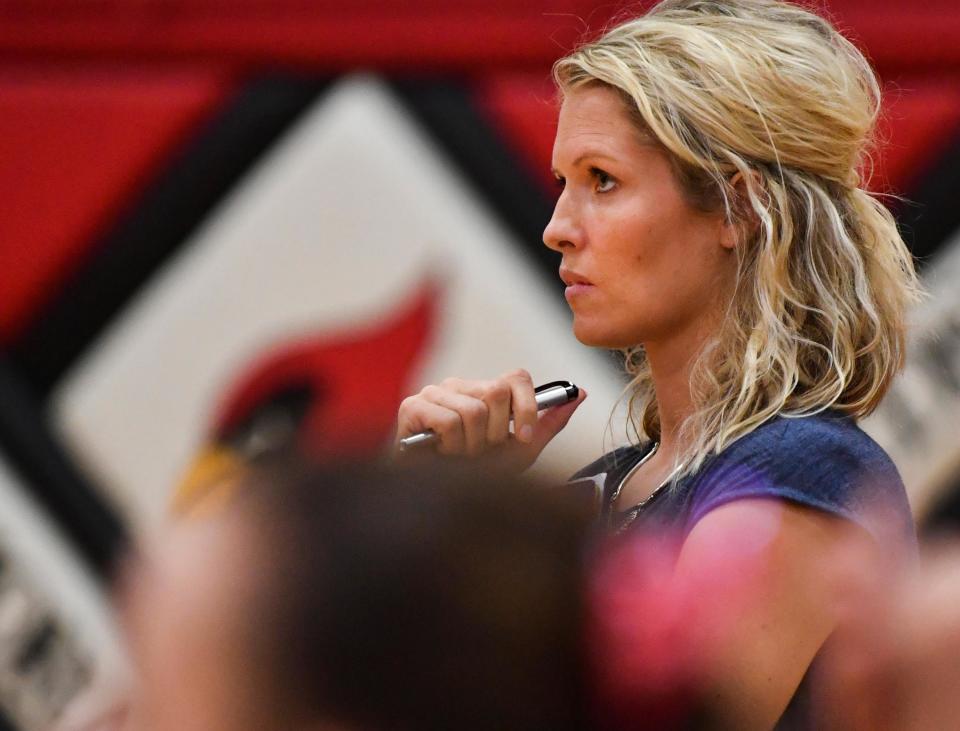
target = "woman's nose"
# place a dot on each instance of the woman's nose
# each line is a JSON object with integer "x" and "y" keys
{"x": 562, "y": 231}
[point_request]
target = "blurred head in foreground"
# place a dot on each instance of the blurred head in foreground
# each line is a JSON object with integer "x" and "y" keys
{"x": 364, "y": 598}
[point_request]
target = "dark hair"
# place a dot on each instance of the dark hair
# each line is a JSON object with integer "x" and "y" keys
{"x": 419, "y": 599}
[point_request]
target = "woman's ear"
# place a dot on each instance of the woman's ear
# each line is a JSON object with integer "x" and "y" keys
{"x": 729, "y": 233}
{"x": 743, "y": 221}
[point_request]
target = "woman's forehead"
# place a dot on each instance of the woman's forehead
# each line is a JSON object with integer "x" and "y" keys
{"x": 596, "y": 107}
{"x": 597, "y": 117}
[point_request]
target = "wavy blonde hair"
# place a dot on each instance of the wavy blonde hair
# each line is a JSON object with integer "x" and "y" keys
{"x": 772, "y": 92}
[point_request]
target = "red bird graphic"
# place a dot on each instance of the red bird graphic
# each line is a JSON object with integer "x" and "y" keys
{"x": 330, "y": 396}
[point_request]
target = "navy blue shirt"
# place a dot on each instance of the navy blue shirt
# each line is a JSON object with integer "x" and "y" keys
{"x": 825, "y": 462}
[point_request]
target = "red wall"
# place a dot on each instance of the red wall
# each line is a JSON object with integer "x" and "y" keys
{"x": 95, "y": 96}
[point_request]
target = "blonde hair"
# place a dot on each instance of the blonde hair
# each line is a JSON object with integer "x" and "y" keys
{"x": 772, "y": 92}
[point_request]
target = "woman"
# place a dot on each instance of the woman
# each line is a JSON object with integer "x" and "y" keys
{"x": 712, "y": 225}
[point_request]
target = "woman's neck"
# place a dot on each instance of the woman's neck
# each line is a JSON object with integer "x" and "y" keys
{"x": 671, "y": 363}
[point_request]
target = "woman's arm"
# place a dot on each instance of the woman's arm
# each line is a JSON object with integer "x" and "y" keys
{"x": 768, "y": 598}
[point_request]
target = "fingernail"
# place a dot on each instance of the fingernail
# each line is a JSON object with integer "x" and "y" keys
{"x": 526, "y": 433}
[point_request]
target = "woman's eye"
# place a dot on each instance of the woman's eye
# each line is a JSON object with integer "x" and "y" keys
{"x": 605, "y": 183}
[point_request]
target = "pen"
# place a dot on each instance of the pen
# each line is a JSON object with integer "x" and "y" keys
{"x": 547, "y": 395}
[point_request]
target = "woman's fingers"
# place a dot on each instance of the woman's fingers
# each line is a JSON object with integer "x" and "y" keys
{"x": 552, "y": 421}
{"x": 472, "y": 413}
{"x": 523, "y": 404}
{"x": 470, "y": 417}
{"x": 497, "y": 396}
{"x": 500, "y": 397}
{"x": 417, "y": 414}
{"x": 549, "y": 424}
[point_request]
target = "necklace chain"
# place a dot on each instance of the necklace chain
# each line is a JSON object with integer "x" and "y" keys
{"x": 666, "y": 481}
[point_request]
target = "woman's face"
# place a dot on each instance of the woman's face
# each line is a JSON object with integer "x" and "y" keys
{"x": 642, "y": 264}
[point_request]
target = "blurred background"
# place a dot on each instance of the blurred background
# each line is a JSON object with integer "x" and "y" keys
{"x": 228, "y": 227}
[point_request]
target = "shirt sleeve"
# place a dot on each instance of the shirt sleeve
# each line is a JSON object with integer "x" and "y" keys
{"x": 824, "y": 463}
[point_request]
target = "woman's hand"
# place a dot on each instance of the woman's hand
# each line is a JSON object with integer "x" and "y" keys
{"x": 472, "y": 418}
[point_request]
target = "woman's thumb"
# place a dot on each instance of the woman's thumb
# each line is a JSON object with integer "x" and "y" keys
{"x": 552, "y": 421}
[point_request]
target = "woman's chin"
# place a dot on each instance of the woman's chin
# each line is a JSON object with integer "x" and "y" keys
{"x": 599, "y": 337}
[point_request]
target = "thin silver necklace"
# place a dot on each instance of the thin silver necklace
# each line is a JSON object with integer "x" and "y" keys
{"x": 634, "y": 511}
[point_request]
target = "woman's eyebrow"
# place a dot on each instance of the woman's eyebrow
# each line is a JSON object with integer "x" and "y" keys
{"x": 584, "y": 155}
{"x": 593, "y": 153}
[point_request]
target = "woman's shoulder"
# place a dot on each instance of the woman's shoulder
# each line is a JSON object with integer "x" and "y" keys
{"x": 823, "y": 461}
{"x": 826, "y": 441}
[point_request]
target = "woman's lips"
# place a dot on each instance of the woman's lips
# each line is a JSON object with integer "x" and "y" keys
{"x": 578, "y": 289}
{"x": 577, "y": 284}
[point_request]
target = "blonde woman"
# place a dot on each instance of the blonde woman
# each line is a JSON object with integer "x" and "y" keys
{"x": 713, "y": 225}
